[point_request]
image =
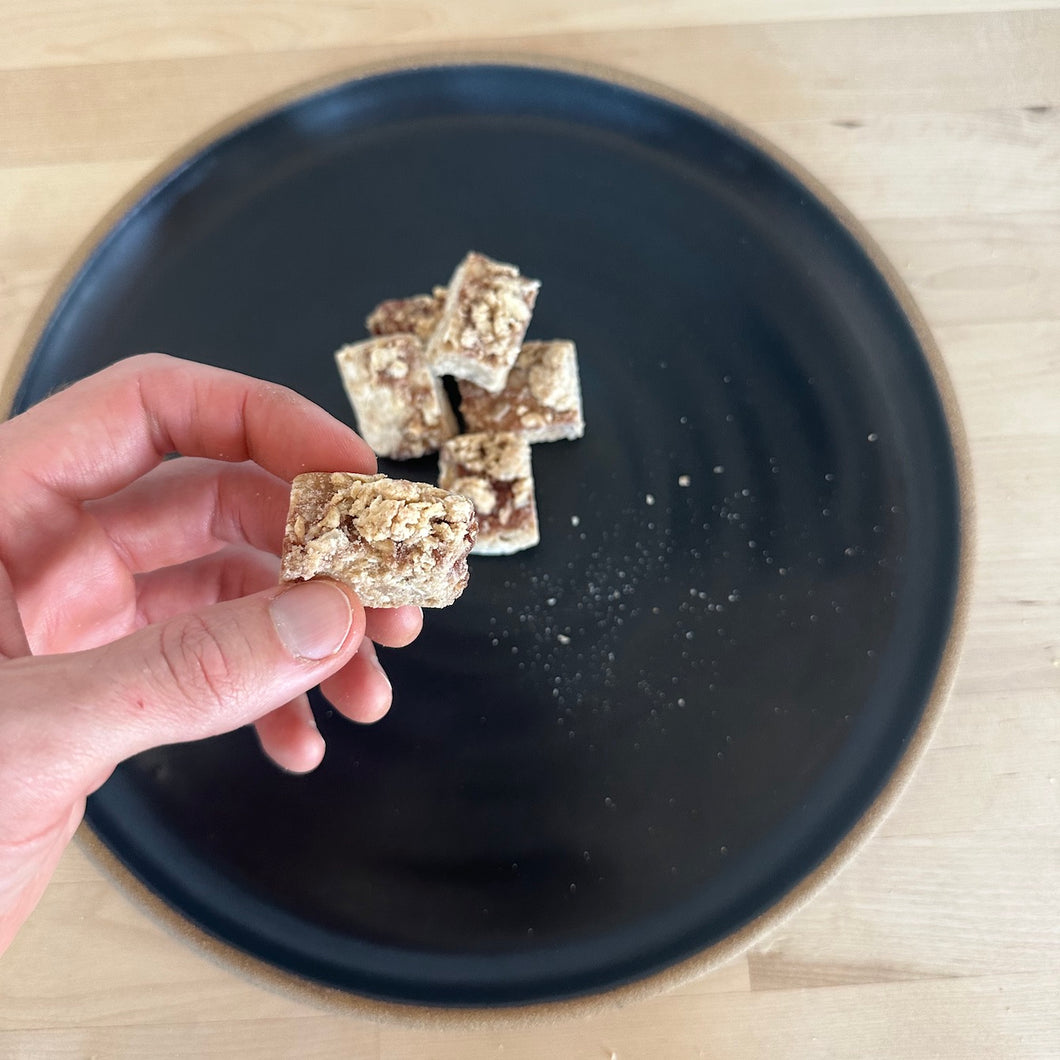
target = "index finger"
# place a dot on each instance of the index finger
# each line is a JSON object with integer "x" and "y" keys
{"x": 106, "y": 431}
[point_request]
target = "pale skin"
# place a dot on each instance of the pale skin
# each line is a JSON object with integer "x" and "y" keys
{"x": 139, "y": 602}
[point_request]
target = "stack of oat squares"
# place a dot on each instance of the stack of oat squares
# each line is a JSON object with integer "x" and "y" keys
{"x": 512, "y": 393}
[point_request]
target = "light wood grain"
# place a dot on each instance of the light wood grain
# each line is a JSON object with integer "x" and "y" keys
{"x": 938, "y": 124}
{"x": 57, "y": 33}
{"x": 871, "y": 69}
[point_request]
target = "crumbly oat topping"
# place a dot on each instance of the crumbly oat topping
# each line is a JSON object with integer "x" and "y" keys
{"x": 402, "y": 409}
{"x": 418, "y": 315}
{"x": 495, "y": 472}
{"x": 479, "y": 491}
{"x": 548, "y": 374}
{"x": 502, "y": 456}
{"x": 386, "y": 362}
{"x": 540, "y": 400}
{"x": 394, "y": 541}
{"x": 483, "y": 322}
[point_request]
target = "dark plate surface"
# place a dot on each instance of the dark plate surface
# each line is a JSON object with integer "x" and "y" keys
{"x": 622, "y": 746}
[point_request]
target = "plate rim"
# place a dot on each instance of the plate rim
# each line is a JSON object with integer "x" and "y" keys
{"x": 286, "y": 983}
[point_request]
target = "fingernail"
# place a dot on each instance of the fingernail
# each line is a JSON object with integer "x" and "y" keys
{"x": 312, "y": 619}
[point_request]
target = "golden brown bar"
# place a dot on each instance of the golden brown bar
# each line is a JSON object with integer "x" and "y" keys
{"x": 394, "y": 542}
{"x": 418, "y": 314}
{"x": 402, "y": 409}
{"x": 484, "y": 320}
{"x": 495, "y": 472}
{"x": 541, "y": 400}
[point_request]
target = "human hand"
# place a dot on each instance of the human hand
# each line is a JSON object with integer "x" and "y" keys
{"x": 139, "y": 602}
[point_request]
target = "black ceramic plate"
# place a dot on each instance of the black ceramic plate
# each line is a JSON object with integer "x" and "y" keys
{"x": 622, "y": 747}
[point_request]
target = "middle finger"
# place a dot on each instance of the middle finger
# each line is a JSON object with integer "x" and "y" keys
{"x": 189, "y": 507}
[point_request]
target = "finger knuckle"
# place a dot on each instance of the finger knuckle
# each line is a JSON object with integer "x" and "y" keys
{"x": 197, "y": 663}
{"x": 147, "y": 362}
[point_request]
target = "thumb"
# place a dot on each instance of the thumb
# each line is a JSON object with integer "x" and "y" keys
{"x": 192, "y": 676}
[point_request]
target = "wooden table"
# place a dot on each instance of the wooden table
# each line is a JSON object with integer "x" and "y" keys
{"x": 938, "y": 123}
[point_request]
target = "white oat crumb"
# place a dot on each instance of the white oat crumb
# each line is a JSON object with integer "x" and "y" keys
{"x": 563, "y": 638}
{"x": 718, "y": 469}
{"x": 649, "y": 499}
{"x": 873, "y": 437}
{"x": 575, "y": 520}
{"x": 684, "y": 480}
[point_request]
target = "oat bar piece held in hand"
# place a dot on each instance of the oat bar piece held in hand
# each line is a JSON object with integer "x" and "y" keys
{"x": 541, "y": 400}
{"x": 487, "y": 311}
{"x": 394, "y": 542}
{"x": 494, "y": 470}
{"x": 402, "y": 409}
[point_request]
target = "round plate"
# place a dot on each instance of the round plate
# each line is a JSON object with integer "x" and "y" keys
{"x": 619, "y": 749}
